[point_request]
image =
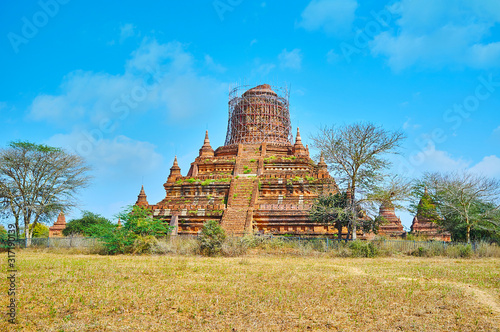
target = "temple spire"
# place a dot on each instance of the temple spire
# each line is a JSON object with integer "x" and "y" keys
{"x": 207, "y": 140}
{"x": 206, "y": 150}
{"x": 142, "y": 199}
{"x": 175, "y": 171}
{"x": 298, "y": 148}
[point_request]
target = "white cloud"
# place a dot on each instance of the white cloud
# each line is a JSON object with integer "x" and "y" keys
{"x": 264, "y": 69}
{"x": 408, "y": 123}
{"x": 126, "y": 31}
{"x": 435, "y": 33}
{"x": 157, "y": 78}
{"x": 333, "y": 16}
{"x": 211, "y": 65}
{"x": 292, "y": 59}
{"x": 119, "y": 156}
{"x": 489, "y": 166}
{"x": 496, "y": 131}
{"x": 332, "y": 56}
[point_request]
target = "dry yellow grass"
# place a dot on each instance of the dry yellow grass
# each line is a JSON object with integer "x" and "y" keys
{"x": 256, "y": 292}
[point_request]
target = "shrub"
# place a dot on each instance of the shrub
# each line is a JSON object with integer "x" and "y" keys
{"x": 234, "y": 246}
{"x": 90, "y": 224}
{"x": 211, "y": 238}
{"x": 420, "y": 252}
{"x": 363, "y": 249}
{"x": 138, "y": 235}
{"x": 145, "y": 245}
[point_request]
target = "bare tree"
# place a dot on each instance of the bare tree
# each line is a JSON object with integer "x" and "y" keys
{"x": 38, "y": 181}
{"x": 355, "y": 154}
{"x": 458, "y": 193}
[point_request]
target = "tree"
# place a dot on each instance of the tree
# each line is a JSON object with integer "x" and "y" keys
{"x": 90, "y": 224}
{"x": 38, "y": 181}
{"x": 355, "y": 154}
{"x": 332, "y": 210}
{"x": 211, "y": 238}
{"x": 138, "y": 234}
{"x": 465, "y": 199}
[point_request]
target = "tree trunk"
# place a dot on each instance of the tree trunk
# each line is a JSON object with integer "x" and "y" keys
{"x": 468, "y": 230}
{"x": 339, "y": 230}
{"x": 353, "y": 210}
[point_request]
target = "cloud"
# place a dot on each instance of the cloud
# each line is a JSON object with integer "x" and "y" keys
{"x": 335, "y": 17}
{"x": 126, "y": 31}
{"x": 118, "y": 157}
{"x": 489, "y": 166}
{"x": 332, "y": 56}
{"x": 436, "y": 33}
{"x": 408, "y": 123}
{"x": 264, "y": 69}
{"x": 211, "y": 65}
{"x": 157, "y": 78}
{"x": 292, "y": 59}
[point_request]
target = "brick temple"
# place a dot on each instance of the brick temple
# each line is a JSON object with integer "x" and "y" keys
{"x": 423, "y": 225}
{"x": 392, "y": 227}
{"x": 59, "y": 225}
{"x": 260, "y": 180}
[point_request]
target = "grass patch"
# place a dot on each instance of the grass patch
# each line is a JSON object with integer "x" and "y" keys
{"x": 59, "y": 292}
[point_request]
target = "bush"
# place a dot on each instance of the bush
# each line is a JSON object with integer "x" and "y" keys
{"x": 363, "y": 249}
{"x": 420, "y": 252}
{"x": 235, "y": 246}
{"x": 90, "y": 224}
{"x": 138, "y": 235}
{"x": 211, "y": 238}
{"x": 145, "y": 245}
{"x": 460, "y": 250}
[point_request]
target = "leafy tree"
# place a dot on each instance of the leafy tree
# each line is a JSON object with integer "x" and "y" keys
{"x": 90, "y": 224}
{"x": 37, "y": 181}
{"x": 332, "y": 210}
{"x": 464, "y": 201}
{"x": 211, "y": 238}
{"x": 355, "y": 153}
{"x": 40, "y": 230}
{"x": 138, "y": 231}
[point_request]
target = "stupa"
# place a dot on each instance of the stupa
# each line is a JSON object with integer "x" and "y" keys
{"x": 258, "y": 181}
{"x": 58, "y": 227}
{"x": 424, "y": 221}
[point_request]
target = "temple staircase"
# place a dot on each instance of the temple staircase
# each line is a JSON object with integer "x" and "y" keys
{"x": 237, "y": 217}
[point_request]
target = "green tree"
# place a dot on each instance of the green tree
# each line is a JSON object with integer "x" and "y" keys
{"x": 140, "y": 230}
{"x": 37, "y": 182}
{"x": 90, "y": 224}
{"x": 356, "y": 155}
{"x": 40, "y": 230}
{"x": 332, "y": 210}
{"x": 463, "y": 200}
{"x": 211, "y": 238}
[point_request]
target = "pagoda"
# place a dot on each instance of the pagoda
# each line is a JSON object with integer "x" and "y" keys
{"x": 260, "y": 180}
{"x": 58, "y": 227}
{"x": 424, "y": 222}
{"x": 392, "y": 226}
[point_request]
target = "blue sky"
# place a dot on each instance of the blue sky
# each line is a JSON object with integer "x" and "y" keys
{"x": 129, "y": 85}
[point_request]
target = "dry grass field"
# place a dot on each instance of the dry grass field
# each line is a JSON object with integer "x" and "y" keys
{"x": 60, "y": 292}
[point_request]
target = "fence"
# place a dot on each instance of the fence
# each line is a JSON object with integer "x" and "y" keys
{"x": 320, "y": 244}
{"x": 57, "y": 242}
